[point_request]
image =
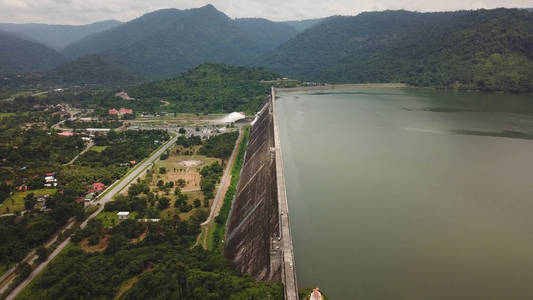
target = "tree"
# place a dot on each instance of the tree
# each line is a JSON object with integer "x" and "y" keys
{"x": 181, "y": 182}
{"x": 42, "y": 254}
{"x": 23, "y": 270}
{"x": 182, "y": 131}
{"x": 29, "y": 201}
{"x": 197, "y": 203}
{"x": 163, "y": 203}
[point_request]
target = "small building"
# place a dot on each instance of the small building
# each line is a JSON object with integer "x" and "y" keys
{"x": 98, "y": 186}
{"x": 66, "y": 133}
{"x": 50, "y": 179}
{"x": 89, "y": 197}
{"x": 113, "y": 111}
{"x": 125, "y": 111}
{"x": 123, "y": 215}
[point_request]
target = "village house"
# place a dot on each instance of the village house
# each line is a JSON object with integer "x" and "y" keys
{"x": 123, "y": 215}
{"x": 50, "y": 179}
{"x": 66, "y": 133}
{"x": 122, "y": 111}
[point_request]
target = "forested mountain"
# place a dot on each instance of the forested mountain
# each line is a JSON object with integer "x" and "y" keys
{"x": 56, "y": 37}
{"x": 302, "y": 25}
{"x": 482, "y": 49}
{"x": 18, "y": 55}
{"x": 91, "y": 70}
{"x": 267, "y": 34}
{"x": 166, "y": 42}
{"x": 210, "y": 88}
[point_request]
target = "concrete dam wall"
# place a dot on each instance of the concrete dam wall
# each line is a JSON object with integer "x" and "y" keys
{"x": 258, "y": 238}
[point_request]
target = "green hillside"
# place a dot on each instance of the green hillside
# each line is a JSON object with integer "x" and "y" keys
{"x": 167, "y": 42}
{"x": 91, "y": 70}
{"x": 210, "y": 88}
{"x": 482, "y": 50}
{"x": 267, "y": 34}
{"x": 18, "y": 55}
{"x": 56, "y": 37}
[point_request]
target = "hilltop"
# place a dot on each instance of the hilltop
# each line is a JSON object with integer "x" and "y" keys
{"x": 167, "y": 42}
{"x": 482, "y": 50}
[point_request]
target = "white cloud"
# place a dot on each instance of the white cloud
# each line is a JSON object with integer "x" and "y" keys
{"x": 84, "y": 11}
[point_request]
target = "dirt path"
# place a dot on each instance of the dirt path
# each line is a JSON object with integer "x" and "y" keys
{"x": 222, "y": 189}
{"x": 89, "y": 145}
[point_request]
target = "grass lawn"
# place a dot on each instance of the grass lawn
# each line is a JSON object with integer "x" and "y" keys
{"x": 16, "y": 201}
{"x": 110, "y": 218}
{"x": 5, "y": 115}
{"x": 171, "y": 211}
{"x": 98, "y": 148}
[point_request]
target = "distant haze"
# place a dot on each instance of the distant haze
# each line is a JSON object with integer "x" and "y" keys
{"x": 83, "y": 12}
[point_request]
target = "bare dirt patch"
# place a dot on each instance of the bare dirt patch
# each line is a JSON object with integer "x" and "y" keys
{"x": 139, "y": 239}
{"x": 191, "y": 163}
{"x": 101, "y": 246}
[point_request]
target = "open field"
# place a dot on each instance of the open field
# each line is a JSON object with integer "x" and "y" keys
{"x": 179, "y": 119}
{"x": 186, "y": 167}
{"x": 16, "y": 201}
{"x": 98, "y": 148}
{"x": 110, "y": 218}
{"x": 5, "y": 115}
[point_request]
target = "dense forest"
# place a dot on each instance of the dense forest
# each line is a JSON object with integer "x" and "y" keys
{"x": 481, "y": 50}
{"x": 160, "y": 265}
{"x": 210, "y": 88}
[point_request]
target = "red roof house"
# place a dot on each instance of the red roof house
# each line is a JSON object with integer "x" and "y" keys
{"x": 98, "y": 186}
{"x": 66, "y": 133}
{"x": 126, "y": 111}
{"x": 113, "y": 112}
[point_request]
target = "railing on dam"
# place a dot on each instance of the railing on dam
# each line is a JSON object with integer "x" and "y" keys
{"x": 258, "y": 237}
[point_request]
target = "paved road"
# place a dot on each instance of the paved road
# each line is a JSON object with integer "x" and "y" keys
{"x": 224, "y": 183}
{"x": 125, "y": 181}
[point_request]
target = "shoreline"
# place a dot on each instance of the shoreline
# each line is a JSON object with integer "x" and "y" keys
{"x": 343, "y": 86}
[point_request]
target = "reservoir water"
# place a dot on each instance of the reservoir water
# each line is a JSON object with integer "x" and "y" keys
{"x": 410, "y": 193}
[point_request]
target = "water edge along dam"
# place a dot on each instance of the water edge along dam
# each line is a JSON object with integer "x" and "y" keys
{"x": 258, "y": 236}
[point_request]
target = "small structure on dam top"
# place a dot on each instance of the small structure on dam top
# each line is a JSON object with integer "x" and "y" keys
{"x": 258, "y": 238}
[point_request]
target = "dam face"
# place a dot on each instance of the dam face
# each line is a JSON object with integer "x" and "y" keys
{"x": 258, "y": 238}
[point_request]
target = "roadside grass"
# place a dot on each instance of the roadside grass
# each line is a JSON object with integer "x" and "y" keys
{"x": 210, "y": 236}
{"x": 216, "y": 231}
{"x": 15, "y": 203}
{"x": 110, "y": 218}
{"x": 98, "y": 148}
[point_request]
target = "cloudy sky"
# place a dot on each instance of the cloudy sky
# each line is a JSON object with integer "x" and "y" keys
{"x": 87, "y": 11}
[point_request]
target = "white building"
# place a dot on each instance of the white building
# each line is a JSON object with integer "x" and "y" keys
{"x": 122, "y": 215}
